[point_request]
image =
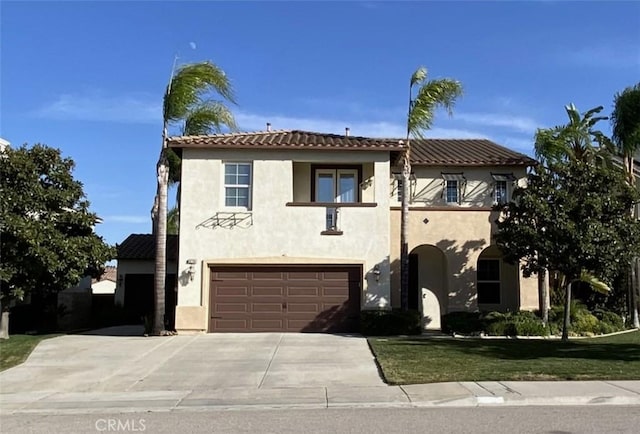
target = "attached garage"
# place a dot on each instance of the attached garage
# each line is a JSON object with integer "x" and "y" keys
{"x": 285, "y": 298}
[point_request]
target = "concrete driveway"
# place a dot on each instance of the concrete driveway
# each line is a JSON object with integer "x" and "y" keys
{"x": 99, "y": 363}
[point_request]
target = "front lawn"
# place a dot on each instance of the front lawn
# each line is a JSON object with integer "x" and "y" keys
{"x": 430, "y": 360}
{"x": 17, "y": 348}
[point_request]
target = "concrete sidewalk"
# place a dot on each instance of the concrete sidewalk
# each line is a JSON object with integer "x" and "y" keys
{"x": 464, "y": 394}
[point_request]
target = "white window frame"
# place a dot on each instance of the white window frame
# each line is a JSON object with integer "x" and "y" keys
{"x": 499, "y": 281}
{"x": 247, "y": 186}
{"x": 507, "y": 178}
{"x": 461, "y": 183}
{"x": 497, "y": 200}
{"x": 446, "y": 191}
{"x": 335, "y": 173}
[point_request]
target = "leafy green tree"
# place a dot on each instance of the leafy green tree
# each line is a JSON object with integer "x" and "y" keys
{"x": 191, "y": 106}
{"x": 625, "y": 120}
{"x": 572, "y": 217}
{"x": 429, "y": 96}
{"x": 47, "y": 238}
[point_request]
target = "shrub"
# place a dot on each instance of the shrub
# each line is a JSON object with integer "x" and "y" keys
{"x": 523, "y": 323}
{"x": 388, "y": 323}
{"x": 610, "y": 318}
{"x": 462, "y": 322}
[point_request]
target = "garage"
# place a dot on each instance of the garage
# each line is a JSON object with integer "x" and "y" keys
{"x": 309, "y": 298}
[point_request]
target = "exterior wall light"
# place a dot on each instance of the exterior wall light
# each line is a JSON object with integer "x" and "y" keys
{"x": 191, "y": 271}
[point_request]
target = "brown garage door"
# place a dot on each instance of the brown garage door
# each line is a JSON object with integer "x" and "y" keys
{"x": 285, "y": 298}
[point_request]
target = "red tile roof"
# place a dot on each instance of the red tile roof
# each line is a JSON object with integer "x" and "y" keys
{"x": 285, "y": 140}
{"x": 110, "y": 273}
{"x": 427, "y": 152}
{"x": 143, "y": 246}
{"x": 464, "y": 152}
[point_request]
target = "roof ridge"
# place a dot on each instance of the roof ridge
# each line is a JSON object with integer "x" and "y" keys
{"x": 240, "y": 133}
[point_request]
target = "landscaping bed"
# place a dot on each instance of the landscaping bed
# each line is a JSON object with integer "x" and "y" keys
{"x": 413, "y": 360}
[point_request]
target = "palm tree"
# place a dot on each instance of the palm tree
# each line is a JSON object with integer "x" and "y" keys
{"x": 625, "y": 121}
{"x": 189, "y": 105}
{"x": 576, "y": 141}
{"x": 430, "y": 95}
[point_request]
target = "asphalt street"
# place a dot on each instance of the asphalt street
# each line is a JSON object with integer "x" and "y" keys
{"x": 494, "y": 420}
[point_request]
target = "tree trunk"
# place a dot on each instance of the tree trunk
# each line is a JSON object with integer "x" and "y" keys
{"x": 567, "y": 313}
{"x": 404, "y": 245}
{"x": 161, "y": 243}
{"x": 635, "y": 271}
{"x": 544, "y": 301}
{"x": 4, "y": 323}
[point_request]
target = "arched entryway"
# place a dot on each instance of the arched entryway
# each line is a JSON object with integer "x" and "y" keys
{"x": 497, "y": 282}
{"x": 428, "y": 284}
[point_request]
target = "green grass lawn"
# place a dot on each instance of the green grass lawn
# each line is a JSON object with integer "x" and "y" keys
{"x": 17, "y": 348}
{"x": 419, "y": 360}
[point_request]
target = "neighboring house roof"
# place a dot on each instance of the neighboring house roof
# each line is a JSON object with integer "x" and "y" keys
{"x": 427, "y": 152}
{"x": 110, "y": 273}
{"x": 464, "y": 152}
{"x": 143, "y": 246}
{"x": 286, "y": 140}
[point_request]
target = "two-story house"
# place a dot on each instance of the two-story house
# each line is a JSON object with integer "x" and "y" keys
{"x": 299, "y": 231}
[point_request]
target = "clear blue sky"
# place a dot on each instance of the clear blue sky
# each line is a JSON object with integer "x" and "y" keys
{"x": 88, "y": 77}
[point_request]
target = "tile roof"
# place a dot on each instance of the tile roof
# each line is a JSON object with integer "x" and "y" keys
{"x": 110, "y": 273}
{"x": 425, "y": 152}
{"x": 464, "y": 152}
{"x": 285, "y": 140}
{"x": 143, "y": 246}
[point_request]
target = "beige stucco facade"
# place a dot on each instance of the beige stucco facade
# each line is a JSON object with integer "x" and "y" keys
{"x": 281, "y": 226}
{"x": 448, "y": 240}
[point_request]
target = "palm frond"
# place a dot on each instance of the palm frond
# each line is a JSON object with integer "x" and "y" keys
{"x": 190, "y": 85}
{"x": 440, "y": 93}
{"x": 419, "y": 76}
{"x": 596, "y": 284}
{"x": 625, "y": 120}
{"x": 209, "y": 117}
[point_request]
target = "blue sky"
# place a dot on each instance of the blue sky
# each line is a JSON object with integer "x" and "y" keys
{"x": 88, "y": 77}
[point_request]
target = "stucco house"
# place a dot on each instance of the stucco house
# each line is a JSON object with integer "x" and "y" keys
{"x": 299, "y": 231}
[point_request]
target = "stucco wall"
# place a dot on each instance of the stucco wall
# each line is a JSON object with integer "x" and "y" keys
{"x": 478, "y": 192}
{"x": 461, "y": 232}
{"x": 276, "y": 233}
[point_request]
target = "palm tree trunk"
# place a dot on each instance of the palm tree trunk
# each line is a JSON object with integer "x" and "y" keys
{"x": 404, "y": 245}
{"x": 543, "y": 295}
{"x": 567, "y": 312}
{"x": 161, "y": 241}
{"x": 635, "y": 271}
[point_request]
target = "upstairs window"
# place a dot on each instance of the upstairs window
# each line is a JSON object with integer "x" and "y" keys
{"x": 500, "y": 193}
{"x": 453, "y": 187}
{"x": 237, "y": 185}
{"x": 501, "y": 182}
{"x": 452, "y": 191}
{"x": 336, "y": 185}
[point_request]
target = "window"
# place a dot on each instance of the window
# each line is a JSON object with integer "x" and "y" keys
{"x": 454, "y": 185}
{"x": 501, "y": 186}
{"x": 399, "y": 192}
{"x": 500, "y": 193}
{"x": 336, "y": 185}
{"x": 452, "y": 191}
{"x": 237, "y": 185}
{"x": 488, "y": 281}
